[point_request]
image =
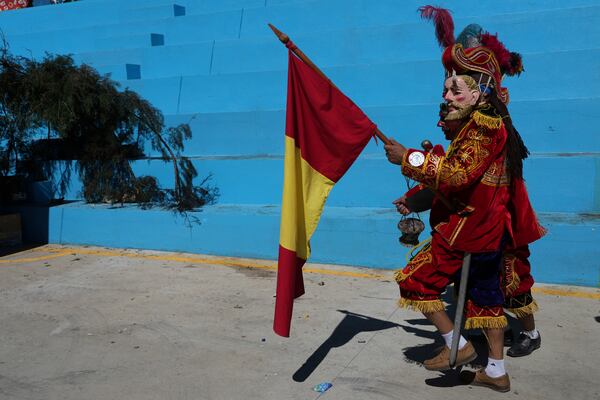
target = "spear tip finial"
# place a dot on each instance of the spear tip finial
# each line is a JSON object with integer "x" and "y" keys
{"x": 282, "y": 36}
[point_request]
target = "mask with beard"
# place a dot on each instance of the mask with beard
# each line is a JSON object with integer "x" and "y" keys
{"x": 459, "y": 111}
{"x": 449, "y": 126}
{"x": 462, "y": 97}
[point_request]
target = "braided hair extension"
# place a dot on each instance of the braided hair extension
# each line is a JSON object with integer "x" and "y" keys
{"x": 516, "y": 151}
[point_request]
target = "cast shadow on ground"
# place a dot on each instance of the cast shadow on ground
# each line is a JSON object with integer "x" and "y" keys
{"x": 351, "y": 325}
{"x": 418, "y": 354}
{"x": 9, "y": 250}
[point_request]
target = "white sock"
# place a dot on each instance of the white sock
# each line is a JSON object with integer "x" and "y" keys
{"x": 448, "y": 339}
{"x": 534, "y": 334}
{"x": 495, "y": 368}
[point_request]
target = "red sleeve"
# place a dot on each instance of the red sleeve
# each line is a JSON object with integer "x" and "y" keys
{"x": 467, "y": 158}
{"x": 438, "y": 149}
{"x": 415, "y": 190}
{"x": 525, "y": 224}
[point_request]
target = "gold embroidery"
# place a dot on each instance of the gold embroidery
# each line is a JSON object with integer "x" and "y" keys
{"x": 521, "y": 305}
{"x": 432, "y": 166}
{"x": 510, "y": 278}
{"x": 457, "y": 230}
{"x": 470, "y": 154}
{"x": 458, "y": 138}
{"x": 437, "y": 176}
{"x": 439, "y": 226}
{"x": 467, "y": 153}
{"x": 496, "y": 175}
{"x": 421, "y": 258}
{"x": 486, "y": 120}
{"x": 480, "y": 59}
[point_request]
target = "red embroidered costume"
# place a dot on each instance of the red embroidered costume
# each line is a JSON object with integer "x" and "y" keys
{"x": 489, "y": 211}
{"x": 516, "y": 280}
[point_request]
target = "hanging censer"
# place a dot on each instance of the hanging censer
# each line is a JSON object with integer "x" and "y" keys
{"x": 411, "y": 228}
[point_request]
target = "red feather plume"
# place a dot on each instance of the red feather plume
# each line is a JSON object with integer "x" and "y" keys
{"x": 444, "y": 25}
{"x": 510, "y": 63}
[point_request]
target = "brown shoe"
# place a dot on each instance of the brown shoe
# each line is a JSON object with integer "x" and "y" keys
{"x": 441, "y": 362}
{"x": 480, "y": 378}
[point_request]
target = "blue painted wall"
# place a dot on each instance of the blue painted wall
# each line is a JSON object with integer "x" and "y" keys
{"x": 216, "y": 65}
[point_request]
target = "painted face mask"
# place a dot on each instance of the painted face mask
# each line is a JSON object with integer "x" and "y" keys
{"x": 462, "y": 95}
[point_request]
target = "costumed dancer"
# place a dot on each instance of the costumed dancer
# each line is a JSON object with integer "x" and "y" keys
{"x": 477, "y": 182}
{"x": 516, "y": 277}
{"x": 517, "y": 282}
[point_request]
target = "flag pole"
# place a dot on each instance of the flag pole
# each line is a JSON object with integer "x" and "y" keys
{"x": 285, "y": 39}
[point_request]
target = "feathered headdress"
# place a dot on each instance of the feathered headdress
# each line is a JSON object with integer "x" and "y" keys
{"x": 477, "y": 51}
{"x": 511, "y": 63}
{"x": 444, "y": 24}
{"x": 474, "y": 50}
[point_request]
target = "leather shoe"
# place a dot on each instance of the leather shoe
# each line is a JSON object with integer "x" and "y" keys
{"x": 524, "y": 345}
{"x": 480, "y": 378}
{"x": 441, "y": 362}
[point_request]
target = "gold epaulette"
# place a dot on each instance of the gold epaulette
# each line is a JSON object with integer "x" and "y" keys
{"x": 486, "y": 121}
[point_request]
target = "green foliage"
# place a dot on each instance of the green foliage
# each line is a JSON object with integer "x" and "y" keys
{"x": 95, "y": 128}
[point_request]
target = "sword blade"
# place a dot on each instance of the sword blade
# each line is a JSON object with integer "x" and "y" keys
{"x": 460, "y": 307}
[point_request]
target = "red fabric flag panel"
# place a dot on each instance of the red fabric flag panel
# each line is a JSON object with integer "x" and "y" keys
{"x": 325, "y": 133}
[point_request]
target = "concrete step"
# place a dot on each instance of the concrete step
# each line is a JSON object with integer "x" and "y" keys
{"x": 183, "y": 59}
{"x": 121, "y": 71}
{"x": 546, "y": 126}
{"x": 352, "y": 236}
{"x": 373, "y": 182}
{"x": 221, "y": 63}
{"x": 295, "y": 14}
{"x": 90, "y": 15}
{"x": 345, "y": 46}
{"x": 549, "y": 76}
{"x": 176, "y": 30}
{"x": 350, "y": 46}
{"x": 348, "y": 41}
{"x": 334, "y": 14}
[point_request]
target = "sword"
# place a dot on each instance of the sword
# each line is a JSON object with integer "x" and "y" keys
{"x": 460, "y": 307}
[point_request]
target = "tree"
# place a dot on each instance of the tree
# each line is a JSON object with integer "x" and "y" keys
{"x": 58, "y": 116}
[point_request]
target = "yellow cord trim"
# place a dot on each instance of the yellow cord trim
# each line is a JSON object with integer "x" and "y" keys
{"x": 400, "y": 276}
{"x": 487, "y": 121}
{"x": 410, "y": 255}
{"x": 438, "y": 173}
{"x": 424, "y": 306}
{"x": 486, "y": 322}
{"x": 514, "y": 284}
{"x": 525, "y": 310}
{"x": 421, "y": 258}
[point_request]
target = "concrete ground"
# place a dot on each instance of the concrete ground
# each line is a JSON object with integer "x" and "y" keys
{"x": 92, "y": 323}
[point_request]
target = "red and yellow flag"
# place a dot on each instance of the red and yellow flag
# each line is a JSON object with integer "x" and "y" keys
{"x": 325, "y": 133}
